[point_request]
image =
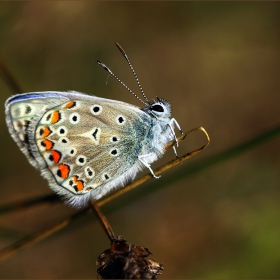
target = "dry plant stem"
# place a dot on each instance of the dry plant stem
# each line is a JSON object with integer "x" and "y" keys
{"x": 33, "y": 238}
{"x": 29, "y": 240}
{"x": 9, "y": 78}
{"x": 103, "y": 220}
{"x": 24, "y": 204}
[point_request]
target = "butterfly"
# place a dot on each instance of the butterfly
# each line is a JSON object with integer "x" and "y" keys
{"x": 87, "y": 146}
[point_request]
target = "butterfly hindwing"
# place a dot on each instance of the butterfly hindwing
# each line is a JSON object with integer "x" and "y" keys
{"x": 79, "y": 142}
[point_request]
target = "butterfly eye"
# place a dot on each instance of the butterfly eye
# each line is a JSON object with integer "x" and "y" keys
{"x": 157, "y": 108}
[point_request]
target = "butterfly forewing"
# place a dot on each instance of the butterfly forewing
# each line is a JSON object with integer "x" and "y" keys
{"x": 23, "y": 113}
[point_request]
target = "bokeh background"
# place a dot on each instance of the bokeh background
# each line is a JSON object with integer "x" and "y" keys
{"x": 218, "y": 64}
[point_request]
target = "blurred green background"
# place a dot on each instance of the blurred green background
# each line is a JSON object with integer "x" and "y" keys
{"x": 218, "y": 64}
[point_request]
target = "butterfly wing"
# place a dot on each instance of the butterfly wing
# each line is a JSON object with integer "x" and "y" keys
{"x": 80, "y": 143}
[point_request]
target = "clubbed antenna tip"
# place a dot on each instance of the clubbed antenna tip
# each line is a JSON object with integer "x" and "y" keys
{"x": 121, "y": 49}
{"x": 104, "y": 66}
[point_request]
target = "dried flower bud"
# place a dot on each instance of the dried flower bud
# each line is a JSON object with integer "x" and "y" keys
{"x": 126, "y": 261}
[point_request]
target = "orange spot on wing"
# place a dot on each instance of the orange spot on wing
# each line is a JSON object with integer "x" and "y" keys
{"x": 79, "y": 184}
{"x": 55, "y": 117}
{"x": 47, "y": 132}
{"x": 48, "y": 144}
{"x": 63, "y": 170}
{"x": 70, "y": 104}
{"x": 56, "y": 156}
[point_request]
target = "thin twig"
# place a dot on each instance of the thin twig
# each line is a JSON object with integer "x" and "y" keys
{"x": 33, "y": 238}
{"x": 103, "y": 220}
{"x": 25, "y": 204}
{"x": 9, "y": 78}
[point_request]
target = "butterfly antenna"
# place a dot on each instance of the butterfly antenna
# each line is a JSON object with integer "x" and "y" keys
{"x": 112, "y": 74}
{"x": 133, "y": 71}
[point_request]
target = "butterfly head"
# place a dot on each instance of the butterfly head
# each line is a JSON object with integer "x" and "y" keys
{"x": 159, "y": 108}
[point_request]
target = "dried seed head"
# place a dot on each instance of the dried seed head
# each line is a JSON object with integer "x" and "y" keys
{"x": 126, "y": 261}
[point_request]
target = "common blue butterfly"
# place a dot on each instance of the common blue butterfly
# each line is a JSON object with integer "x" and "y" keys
{"x": 86, "y": 146}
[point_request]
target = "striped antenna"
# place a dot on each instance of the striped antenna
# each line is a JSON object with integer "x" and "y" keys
{"x": 112, "y": 74}
{"x": 133, "y": 71}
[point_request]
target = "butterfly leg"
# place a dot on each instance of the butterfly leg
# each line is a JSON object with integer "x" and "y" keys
{"x": 175, "y": 152}
{"x": 172, "y": 122}
{"x": 147, "y": 164}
